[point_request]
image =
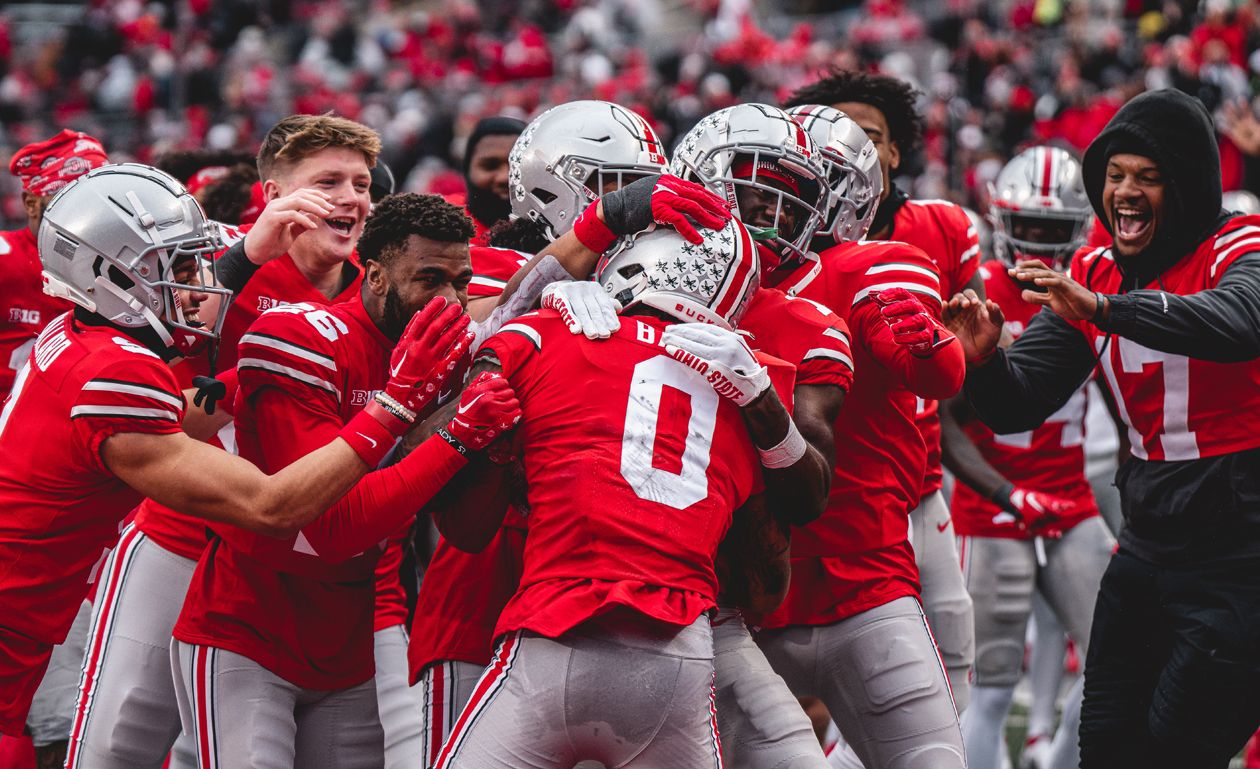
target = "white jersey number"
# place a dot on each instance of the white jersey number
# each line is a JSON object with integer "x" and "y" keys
{"x": 1071, "y": 415}
{"x": 690, "y": 485}
{"x": 1178, "y": 441}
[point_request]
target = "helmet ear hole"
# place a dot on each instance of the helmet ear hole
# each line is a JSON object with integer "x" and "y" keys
{"x": 112, "y": 273}
{"x": 630, "y": 270}
{"x": 543, "y": 196}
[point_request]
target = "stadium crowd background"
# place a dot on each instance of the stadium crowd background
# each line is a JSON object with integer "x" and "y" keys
{"x": 154, "y": 78}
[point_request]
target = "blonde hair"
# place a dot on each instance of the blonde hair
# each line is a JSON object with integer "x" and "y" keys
{"x": 297, "y": 137}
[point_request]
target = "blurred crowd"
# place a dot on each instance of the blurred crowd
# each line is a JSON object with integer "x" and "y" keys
{"x": 151, "y": 79}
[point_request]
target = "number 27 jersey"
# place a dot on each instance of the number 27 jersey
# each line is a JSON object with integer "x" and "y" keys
{"x": 635, "y": 466}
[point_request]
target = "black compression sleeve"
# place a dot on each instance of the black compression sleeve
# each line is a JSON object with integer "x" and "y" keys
{"x": 1020, "y": 386}
{"x": 233, "y": 268}
{"x": 1219, "y": 324}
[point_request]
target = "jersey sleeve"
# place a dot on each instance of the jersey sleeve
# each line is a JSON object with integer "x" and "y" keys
{"x": 290, "y": 348}
{"x": 901, "y": 265}
{"x": 516, "y": 343}
{"x": 135, "y": 393}
{"x": 492, "y": 269}
{"x": 828, "y": 358}
{"x": 966, "y": 243}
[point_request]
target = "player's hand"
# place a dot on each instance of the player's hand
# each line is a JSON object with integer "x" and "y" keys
{"x": 1064, "y": 296}
{"x": 722, "y": 357}
{"x": 584, "y": 306}
{"x": 913, "y": 327}
{"x": 430, "y": 349}
{"x": 487, "y": 409}
{"x": 1034, "y": 512}
{"x": 666, "y": 200}
{"x": 283, "y": 220}
{"x": 976, "y": 322}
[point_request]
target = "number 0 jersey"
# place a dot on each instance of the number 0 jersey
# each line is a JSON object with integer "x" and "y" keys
{"x": 635, "y": 466}
{"x": 1178, "y": 408}
{"x": 1049, "y": 458}
{"x": 60, "y": 506}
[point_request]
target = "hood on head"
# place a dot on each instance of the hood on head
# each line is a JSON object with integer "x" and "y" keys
{"x": 1176, "y": 131}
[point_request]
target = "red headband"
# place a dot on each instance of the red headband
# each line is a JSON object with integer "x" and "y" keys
{"x": 766, "y": 169}
{"x": 45, "y": 167}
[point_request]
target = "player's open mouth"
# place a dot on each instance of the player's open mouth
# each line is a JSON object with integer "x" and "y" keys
{"x": 1131, "y": 224}
{"x": 341, "y": 224}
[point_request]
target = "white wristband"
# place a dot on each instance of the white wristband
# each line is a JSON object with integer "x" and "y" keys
{"x": 787, "y": 452}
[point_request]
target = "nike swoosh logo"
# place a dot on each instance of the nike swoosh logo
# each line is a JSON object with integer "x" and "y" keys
{"x": 395, "y": 369}
{"x": 369, "y": 440}
{"x": 942, "y": 526}
{"x": 463, "y": 407}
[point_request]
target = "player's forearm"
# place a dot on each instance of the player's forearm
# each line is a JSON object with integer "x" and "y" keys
{"x": 799, "y": 489}
{"x": 384, "y": 501}
{"x": 567, "y": 252}
{"x": 754, "y": 560}
{"x": 964, "y": 460}
{"x": 469, "y": 510}
{"x": 936, "y": 376}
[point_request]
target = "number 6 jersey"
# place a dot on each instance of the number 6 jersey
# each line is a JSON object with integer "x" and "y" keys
{"x": 635, "y": 466}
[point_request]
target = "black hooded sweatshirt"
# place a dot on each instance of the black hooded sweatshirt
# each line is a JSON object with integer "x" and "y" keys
{"x": 1174, "y": 511}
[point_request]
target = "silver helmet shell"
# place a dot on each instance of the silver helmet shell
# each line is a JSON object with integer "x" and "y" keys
{"x": 567, "y": 156}
{"x": 852, "y": 166}
{"x": 711, "y": 282}
{"x": 110, "y": 242}
{"x": 1041, "y": 192}
{"x": 758, "y": 136}
{"x": 1242, "y": 201}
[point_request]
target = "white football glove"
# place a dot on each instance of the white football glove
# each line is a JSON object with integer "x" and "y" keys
{"x": 721, "y": 356}
{"x": 584, "y": 306}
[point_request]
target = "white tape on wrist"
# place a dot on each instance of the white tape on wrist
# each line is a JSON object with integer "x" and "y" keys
{"x": 787, "y": 452}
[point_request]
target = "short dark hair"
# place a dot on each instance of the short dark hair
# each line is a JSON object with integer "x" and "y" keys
{"x": 225, "y": 199}
{"x": 398, "y": 217}
{"x": 895, "y": 98}
{"x": 521, "y": 234}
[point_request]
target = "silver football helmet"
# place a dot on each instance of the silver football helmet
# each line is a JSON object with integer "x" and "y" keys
{"x": 1242, "y": 201}
{"x": 749, "y": 145}
{"x": 1039, "y": 208}
{"x": 712, "y": 282}
{"x": 852, "y": 166}
{"x": 567, "y": 156}
{"x": 111, "y": 241}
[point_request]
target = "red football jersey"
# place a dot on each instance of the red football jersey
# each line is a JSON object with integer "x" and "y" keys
{"x": 24, "y": 307}
{"x": 944, "y": 232}
{"x": 1178, "y": 408}
{"x": 61, "y": 506}
{"x": 857, "y": 556}
{"x": 304, "y": 372}
{"x": 493, "y": 268}
{"x": 1050, "y": 458}
{"x": 802, "y": 333}
{"x": 277, "y": 283}
{"x": 633, "y": 477}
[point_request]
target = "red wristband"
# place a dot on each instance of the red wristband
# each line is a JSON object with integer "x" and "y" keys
{"x": 593, "y": 233}
{"x": 370, "y": 439}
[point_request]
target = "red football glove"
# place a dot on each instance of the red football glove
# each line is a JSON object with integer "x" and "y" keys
{"x": 1032, "y": 511}
{"x": 666, "y": 200}
{"x": 912, "y": 325}
{"x": 429, "y": 350}
{"x": 487, "y": 409}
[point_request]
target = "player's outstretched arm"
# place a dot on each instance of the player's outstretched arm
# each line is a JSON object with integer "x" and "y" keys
{"x": 959, "y": 452}
{"x": 753, "y": 559}
{"x": 210, "y": 483}
{"x": 904, "y": 335}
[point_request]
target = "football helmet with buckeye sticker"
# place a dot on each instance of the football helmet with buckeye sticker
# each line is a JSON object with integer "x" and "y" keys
{"x": 112, "y": 242}
{"x": 571, "y": 154}
{"x": 1039, "y": 208}
{"x": 852, "y": 166}
{"x": 760, "y": 148}
{"x": 711, "y": 282}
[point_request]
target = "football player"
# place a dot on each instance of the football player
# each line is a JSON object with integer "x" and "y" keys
{"x": 757, "y": 159}
{"x": 1169, "y": 309}
{"x": 634, "y": 479}
{"x": 316, "y": 179}
{"x": 275, "y": 640}
{"x": 1023, "y": 508}
{"x": 885, "y": 108}
{"x": 124, "y": 243}
{"x": 565, "y": 159}
{"x": 855, "y": 587}
{"x": 486, "y": 172}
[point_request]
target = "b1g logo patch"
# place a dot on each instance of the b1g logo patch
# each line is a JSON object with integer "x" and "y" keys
{"x": 361, "y": 397}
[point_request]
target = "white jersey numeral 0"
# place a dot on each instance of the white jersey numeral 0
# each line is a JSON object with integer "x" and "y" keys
{"x": 677, "y": 490}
